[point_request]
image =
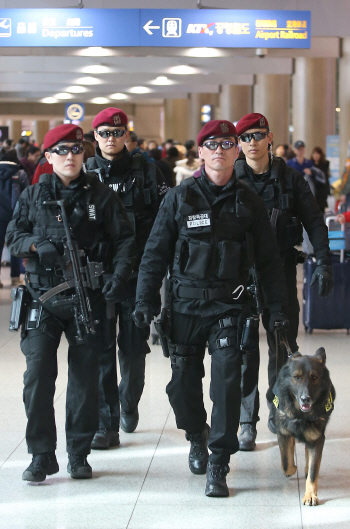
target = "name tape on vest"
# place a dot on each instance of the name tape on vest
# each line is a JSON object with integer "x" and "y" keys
{"x": 92, "y": 212}
{"x": 202, "y": 219}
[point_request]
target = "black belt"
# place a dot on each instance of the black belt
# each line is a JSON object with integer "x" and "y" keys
{"x": 207, "y": 294}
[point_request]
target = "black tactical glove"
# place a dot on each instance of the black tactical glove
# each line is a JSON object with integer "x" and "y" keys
{"x": 281, "y": 319}
{"x": 48, "y": 254}
{"x": 143, "y": 314}
{"x": 115, "y": 289}
{"x": 324, "y": 275}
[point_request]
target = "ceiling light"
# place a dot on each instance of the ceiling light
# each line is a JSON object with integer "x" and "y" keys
{"x": 162, "y": 80}
{"x": 139, "y": 90}
{"x": 96, "y": 68}
{"x": 118, "y": 96}
{"x": 204, "y": 52}
{"x": 63, "y": 95}
{"x": 76, "y": 89}
{"x": 95, "y": 51}
{"x": 49, "y": 100}
{"x": 88, "y": 80}
{"x": 100, "y": 100}
{"x": 183, "y": 69}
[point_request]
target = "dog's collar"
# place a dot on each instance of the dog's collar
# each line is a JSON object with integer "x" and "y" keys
{"x": 329, "y": 406}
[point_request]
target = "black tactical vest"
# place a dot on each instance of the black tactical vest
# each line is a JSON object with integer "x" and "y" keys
{"x": 134, "y": 195}
{"x": 277, "y": 193}
{"x": 214, "y": 243}
{"x": 83, "y": 217}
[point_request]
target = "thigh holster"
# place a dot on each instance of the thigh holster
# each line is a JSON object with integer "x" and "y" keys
{"x": 226, "y": 341}
{"x": 186, "y": 356}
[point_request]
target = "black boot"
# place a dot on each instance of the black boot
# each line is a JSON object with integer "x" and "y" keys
{"x": 198, "y": 456}
{"x": 78, "y": 467}
{"x": 129, "y": 421}
{"x": 104, "y": 438}
{"x": 42, "y": 465}
{"x": 247, "y": 436}
{"x": 216, "y": 480}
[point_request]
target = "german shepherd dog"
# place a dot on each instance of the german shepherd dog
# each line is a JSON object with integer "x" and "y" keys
{"x": 303, "y": 403}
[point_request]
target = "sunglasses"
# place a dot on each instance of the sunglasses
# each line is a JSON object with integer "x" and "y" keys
{"x": 225, "y": 145}
{"x": 256, "y": 135}
{"x": 107, "y": 133}
{"x": 63, "y": 150}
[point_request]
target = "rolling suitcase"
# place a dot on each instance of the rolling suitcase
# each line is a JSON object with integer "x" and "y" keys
{"x": 332, "y": 312}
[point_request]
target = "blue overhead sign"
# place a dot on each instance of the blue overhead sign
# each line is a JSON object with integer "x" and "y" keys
{"x": 75, "y": 111}
{"x": 226, "y": 28}
{"x": 219, "y": 28}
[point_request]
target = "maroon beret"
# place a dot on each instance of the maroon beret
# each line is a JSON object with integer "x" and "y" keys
{"x": 66, "y": 132}
{"x": 110, "y": 116}
{"x": 216, "y": 128}
{"x": 251, "y": 121}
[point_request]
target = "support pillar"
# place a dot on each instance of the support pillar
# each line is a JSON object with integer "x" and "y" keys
{"x": 40, "y": 128}
{"x": 176, "y": 121}
{"x": 272, "y": 99}
{"x": 344, "y": 102}
{"x": 235, "y": 102}
{"x": 15, "y": 129}
{"x": 195, "y": 104}
{"x": 314, "y": 101}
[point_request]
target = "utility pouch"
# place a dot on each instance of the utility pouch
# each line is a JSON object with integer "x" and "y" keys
{"x": 250, "y": 335}
{"x": 198, "y": 260}
{"x": 20, "y": 298}
{"x": 33, "y": 315}
{"x": 229, "y": 252}
{"x": 162, "y": 327}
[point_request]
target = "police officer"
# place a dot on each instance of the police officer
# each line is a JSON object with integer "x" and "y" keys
{"x": 97, "y": 220}
{"x": 141, "y": 186}
{"x": 208, "y": 232}
{"x": 290, "y": 204}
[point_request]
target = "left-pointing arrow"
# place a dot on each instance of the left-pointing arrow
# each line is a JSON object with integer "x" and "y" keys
{"x": 147, "y": 27}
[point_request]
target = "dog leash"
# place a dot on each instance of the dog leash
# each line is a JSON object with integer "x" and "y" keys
{"x": 281, "y": 340}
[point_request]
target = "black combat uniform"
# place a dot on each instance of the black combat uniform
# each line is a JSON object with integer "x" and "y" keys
{"x": 290, "y": 204}
{"x": 98, "y": 221}
{"x": 141, "y": 187}
{"x": 209, "y": 236}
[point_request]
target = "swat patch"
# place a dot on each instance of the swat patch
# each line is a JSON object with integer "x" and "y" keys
{"x": 92, "y": 212}
{"x": 201, "y": 219}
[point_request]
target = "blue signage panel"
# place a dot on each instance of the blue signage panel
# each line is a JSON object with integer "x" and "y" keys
{"x": 75, "y": 111}
{"x": 69, "y": 27}
{"x": 224, "y": 28}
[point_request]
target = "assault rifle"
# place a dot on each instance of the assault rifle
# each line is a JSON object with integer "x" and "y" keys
{"x": 254, "y": 290}
{"x": 78, "y": 276}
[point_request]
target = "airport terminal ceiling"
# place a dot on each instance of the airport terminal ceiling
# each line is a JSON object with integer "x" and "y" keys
{"x": 33, "y": 74}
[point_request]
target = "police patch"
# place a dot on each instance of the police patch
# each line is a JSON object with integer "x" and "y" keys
{"x": 92, "y": 212}
{"x": 117, "y": 120}
{"x": 224, "y": 128}
{"x": 201, "y": 219}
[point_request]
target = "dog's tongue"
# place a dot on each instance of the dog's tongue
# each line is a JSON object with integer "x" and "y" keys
{"x": 305, "y": 407}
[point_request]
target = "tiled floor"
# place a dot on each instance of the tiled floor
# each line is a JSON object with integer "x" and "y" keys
{"x": 146, "y": 483}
